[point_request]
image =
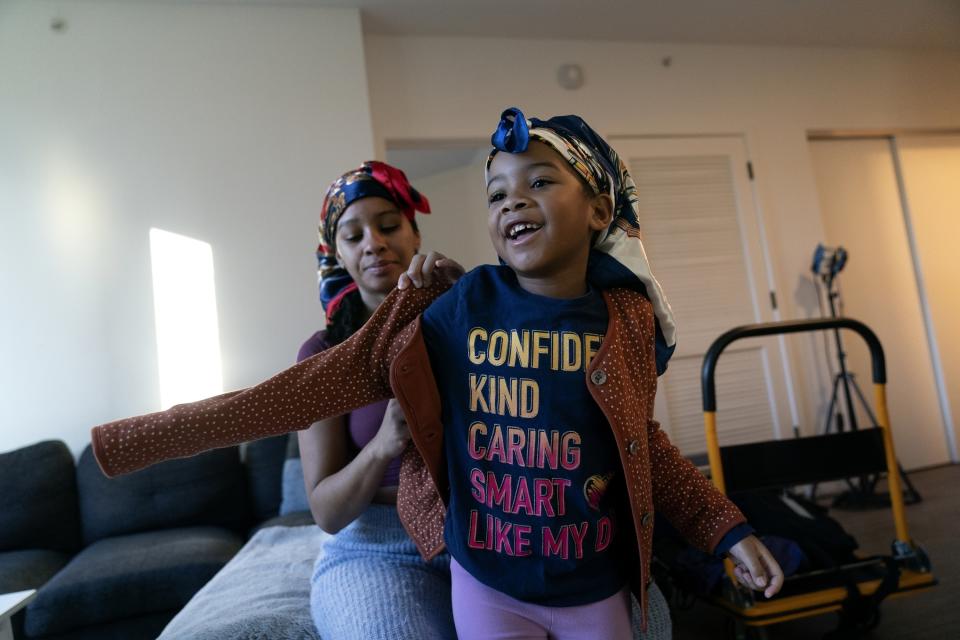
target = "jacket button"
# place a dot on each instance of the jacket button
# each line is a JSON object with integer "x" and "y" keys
{"x": 598, "y": 377}
{"x": 645, "y": 519}
{"x": 632, "y": 447}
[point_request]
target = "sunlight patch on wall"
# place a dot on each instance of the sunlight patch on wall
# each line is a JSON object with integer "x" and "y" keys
{"x": 185, "y": 308}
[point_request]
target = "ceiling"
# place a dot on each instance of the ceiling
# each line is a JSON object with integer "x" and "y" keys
{"x": 899, "y": 24}
{"x": 926, "y": 24}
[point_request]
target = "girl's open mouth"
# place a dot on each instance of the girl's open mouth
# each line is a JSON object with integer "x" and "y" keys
{"x": 520, "y": 231}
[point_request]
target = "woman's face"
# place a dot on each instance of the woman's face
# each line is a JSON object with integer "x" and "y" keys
{"x": 375, "y": 243}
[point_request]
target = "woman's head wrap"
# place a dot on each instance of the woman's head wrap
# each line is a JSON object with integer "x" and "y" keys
{"x": 619, "y": 258}
{"x": 371, "y": 179}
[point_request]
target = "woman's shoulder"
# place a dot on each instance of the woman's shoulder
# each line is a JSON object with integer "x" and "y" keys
{"x": 313, "y": 345}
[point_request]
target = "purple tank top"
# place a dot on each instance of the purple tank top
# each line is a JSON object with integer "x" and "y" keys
{"x": 363, "y": 423}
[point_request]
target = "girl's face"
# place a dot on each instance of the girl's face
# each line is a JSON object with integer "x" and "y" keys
{"x": 541, "y": 218}
{"x": 375, "y": 243}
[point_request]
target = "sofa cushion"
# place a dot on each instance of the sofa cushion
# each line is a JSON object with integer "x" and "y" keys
{"x": 38, "y": 498}
{"x": 295, "y": 519}
{"x": 139, "y": 628}
{"x": 264, "y": 466}
{"x": 207, "y": 489}
{"x": 21, "y": 570}
{"x": 128, "y": 576}
{"x": 294, "y": 491}
{"x": 263, "y": 592}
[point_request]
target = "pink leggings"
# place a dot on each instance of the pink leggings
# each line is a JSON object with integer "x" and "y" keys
{"x": 482, "y": 613}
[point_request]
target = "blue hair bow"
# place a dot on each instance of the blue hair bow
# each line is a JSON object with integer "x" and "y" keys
{"x": 512, "y": 134}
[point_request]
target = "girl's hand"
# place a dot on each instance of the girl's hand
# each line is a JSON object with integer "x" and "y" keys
{"x": 424, "y": 269}
{"x": 755, "y": 567}
{"x": 393, "y": 435}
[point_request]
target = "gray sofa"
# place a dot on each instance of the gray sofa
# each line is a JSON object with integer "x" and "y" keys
{"x": 158, "y": 553}
{"x": 118, "y": 558}
{"x": 264, "y": 594}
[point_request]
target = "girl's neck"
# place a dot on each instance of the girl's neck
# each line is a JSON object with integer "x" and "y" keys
{"x": 567, "y": 282}
{"x": 550, "y": 289}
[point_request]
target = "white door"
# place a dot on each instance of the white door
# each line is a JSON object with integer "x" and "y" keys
{"x": 862, "y": 211}
{"x": 931, "y": 175}
{"x": 704, "y": 239}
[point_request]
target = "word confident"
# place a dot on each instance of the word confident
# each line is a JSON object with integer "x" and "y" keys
{"x": 558, "y": 350}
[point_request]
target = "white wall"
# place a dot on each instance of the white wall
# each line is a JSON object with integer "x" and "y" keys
{"x": 455, "y": 88}
{"x": 221, "y": 122}
{"x": 459, "y": 214}
{"x": 226, "y": 122}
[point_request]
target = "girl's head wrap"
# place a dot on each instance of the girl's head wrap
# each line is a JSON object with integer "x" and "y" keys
{"x": 371, "y": 179}
{"x": 619, "y": 259}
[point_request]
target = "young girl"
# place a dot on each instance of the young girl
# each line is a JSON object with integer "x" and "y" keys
{"x": 528, "y": 390}
{"x": 542, "y": 453}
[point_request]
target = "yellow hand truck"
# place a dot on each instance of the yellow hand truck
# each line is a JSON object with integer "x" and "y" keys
{"x": 855, "y": 589}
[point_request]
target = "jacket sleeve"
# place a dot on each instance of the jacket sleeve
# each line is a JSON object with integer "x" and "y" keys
{"x": 350, "y": 375}
{"x": 686, "y": 497}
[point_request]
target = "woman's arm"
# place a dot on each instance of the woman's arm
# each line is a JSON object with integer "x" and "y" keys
{"x": 340, "y": 489}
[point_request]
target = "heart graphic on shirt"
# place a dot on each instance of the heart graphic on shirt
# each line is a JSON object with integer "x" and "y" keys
{"x": 595, "y": 488}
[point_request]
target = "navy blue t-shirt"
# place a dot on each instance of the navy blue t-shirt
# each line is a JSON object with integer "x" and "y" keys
{"x": 533, "y": 466}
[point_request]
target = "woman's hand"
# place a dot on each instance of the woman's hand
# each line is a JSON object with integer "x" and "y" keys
{"x": 424, "y": 269}
{"x": 755, "y": 567}
{"x": 393, "y": 435}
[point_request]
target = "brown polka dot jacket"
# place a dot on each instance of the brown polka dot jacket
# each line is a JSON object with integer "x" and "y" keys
{"x": 388, "y": 357}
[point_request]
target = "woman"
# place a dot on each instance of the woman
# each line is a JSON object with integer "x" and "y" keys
{"x": 369, "y": 582}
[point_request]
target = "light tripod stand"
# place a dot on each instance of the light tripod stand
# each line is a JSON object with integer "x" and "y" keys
{"x": 862, "y": 494}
